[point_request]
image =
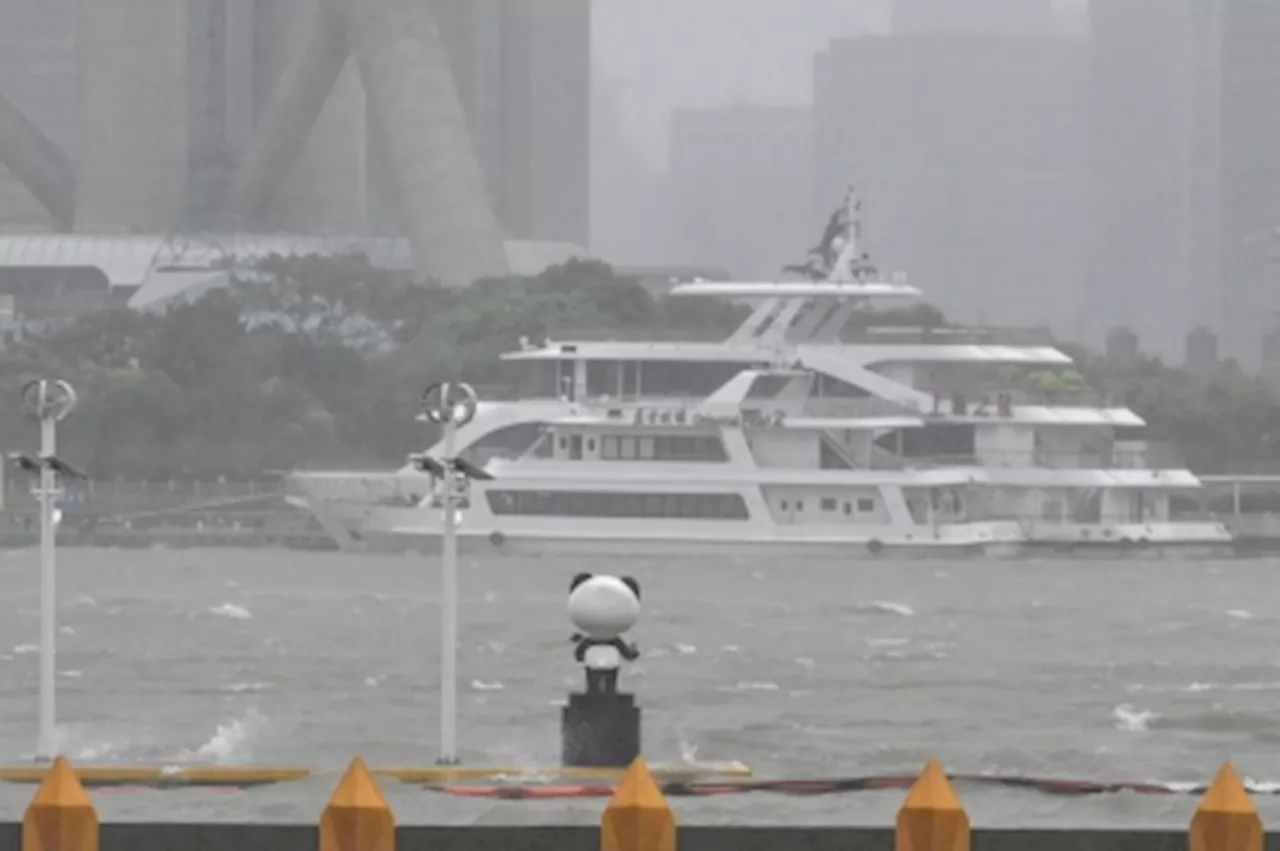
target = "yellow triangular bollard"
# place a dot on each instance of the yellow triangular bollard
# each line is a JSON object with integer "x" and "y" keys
{"x": 932, "y": 818}
{"x": 638, "y": 817}
{"x": 60, "y": 817}
{"x": 357, "y": 817}
{"x": 1226, "y": 819}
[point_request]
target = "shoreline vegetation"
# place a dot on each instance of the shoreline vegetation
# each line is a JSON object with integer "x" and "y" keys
{"x": 318, "y": 363}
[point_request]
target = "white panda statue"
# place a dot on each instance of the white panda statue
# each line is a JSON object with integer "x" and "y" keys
{"x": 603, "y": 608}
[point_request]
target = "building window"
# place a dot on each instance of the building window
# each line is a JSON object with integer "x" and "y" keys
{"x": 591, "y": 444}
{"x": 866, "y": 505}
{"x": 848, "y": 509}
{"x": 828, "y": 504}
{"x": 698, "y": 506}
{"x": 609, "y": 449}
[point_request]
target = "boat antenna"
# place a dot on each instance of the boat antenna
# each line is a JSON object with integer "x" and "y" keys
{"x": 847, "y": 261}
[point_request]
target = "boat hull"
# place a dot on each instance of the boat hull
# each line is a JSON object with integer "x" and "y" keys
{"x": 359, "y": 527}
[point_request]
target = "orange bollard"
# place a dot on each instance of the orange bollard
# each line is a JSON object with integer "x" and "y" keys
{"x": 60, "y": 817}
{"x": 932, "y": 818}
{"x": 1226, "y": 819}
{"x": 638, "y": 817}
{"x": 357, "y": 817}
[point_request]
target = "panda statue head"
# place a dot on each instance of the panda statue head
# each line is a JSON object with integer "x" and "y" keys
{"x": 604, "y": 607}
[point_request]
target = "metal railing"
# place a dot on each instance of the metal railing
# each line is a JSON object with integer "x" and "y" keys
{"x": 123, "y": 497}
{"x": 907, "y": 335}
{"x": 1039, "y": 459}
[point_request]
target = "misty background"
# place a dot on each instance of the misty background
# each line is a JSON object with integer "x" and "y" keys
{"x": 1026, "y": 162}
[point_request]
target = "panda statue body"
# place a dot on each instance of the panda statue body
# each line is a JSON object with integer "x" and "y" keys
{"x": 601, "y": 727}
{"x": 603, "y": 608}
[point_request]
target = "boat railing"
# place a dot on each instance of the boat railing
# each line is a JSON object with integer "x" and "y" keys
{"x": 1041, "y": 459}
{"x": 988, "y": 397}
{"x": 948, "y": 336}
{"x": 835, "y": 407}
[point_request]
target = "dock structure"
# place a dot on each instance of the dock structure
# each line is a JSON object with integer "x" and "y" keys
{"x": 637, "y": 817}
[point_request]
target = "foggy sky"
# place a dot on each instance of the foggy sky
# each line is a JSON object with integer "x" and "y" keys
{"x": 658, "y": 55}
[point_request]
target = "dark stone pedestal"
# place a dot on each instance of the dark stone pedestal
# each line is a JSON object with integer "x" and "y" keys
{"x": 600, "y": 730}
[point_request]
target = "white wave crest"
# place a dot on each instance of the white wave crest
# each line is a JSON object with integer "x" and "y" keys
{"x": 231, "y": 741}
{"x": 231, "y": 610}
{"x": 1131, "y": 719}
{"x": 888, "y": 607}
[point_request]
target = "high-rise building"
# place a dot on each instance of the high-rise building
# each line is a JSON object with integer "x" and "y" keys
{"x": 1185, "y": 101}
{"x": 991, "y": 17}
{"x": 1153, "y": 143}
{"x": 969, "y": 151}
{"x": 157, "y": 101}
{"x": 38, "y": 75}
{"x": 523, "y": 72}
{"x": 327, "y": 189}
{"x": 1201, "y": 357}
{"x": 741, "y": 188}
{"x": 1249, "y": 163}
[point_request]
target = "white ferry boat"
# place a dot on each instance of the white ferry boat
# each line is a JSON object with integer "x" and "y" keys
{"x": 809, "y": 431}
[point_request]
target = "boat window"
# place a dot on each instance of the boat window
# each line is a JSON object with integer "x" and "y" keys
{"x": 509, "y": 441}
{"x": 564, "y": 443}
{"x": 538, "y": 380}
{"x": 828, "y": 504}
{"x": 830, "y": 387}
{"x": 799, "y": 505}
{"x": 604, "y": 378}
{"x": 591, "y": 444}
{"x": 848, "y": 509}
{"x": 698, "y": 447}
{"x": 866, "y": 505}
{"x": 785, "y": 504}
{"x": 676, "y": 378}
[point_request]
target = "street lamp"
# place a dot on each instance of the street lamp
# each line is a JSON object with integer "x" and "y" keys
{"x": 450, "y": 405}
{"x": 48, "y": 402}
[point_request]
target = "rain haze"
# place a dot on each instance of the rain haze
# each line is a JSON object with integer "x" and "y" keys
{"x": 852, "y": 383}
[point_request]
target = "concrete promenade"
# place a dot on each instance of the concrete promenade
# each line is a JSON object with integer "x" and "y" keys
{"x": 62, "y": 817}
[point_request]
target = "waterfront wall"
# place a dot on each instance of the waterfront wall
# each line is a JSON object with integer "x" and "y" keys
{"x": 61, "y": 817}
{"x": 274, "y": 837}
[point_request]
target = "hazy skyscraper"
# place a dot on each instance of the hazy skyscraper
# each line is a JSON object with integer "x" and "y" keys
{"x": 1004, "y": 17}
{"x": 1186, "y": 151}
{"x": 969, "y": 150}
{"x": 524, "y": 74}
{"x": 1249, "y": 144}
{"x": 741, "y": 188}
{"x": 38, "y": 75}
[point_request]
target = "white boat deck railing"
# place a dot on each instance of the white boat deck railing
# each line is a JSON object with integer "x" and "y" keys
{"x": 945, "y": 336}
{"x": 1036, "y": 459}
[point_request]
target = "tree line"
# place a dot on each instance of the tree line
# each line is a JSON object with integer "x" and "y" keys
{"x": 320, "y": 362}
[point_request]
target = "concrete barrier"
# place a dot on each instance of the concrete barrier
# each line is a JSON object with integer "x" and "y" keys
{"x": 638, "y": 818}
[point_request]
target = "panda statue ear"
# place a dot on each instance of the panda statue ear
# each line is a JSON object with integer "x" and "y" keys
{"x": 631, "y": 583}
{"x": 578, "y": 580}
